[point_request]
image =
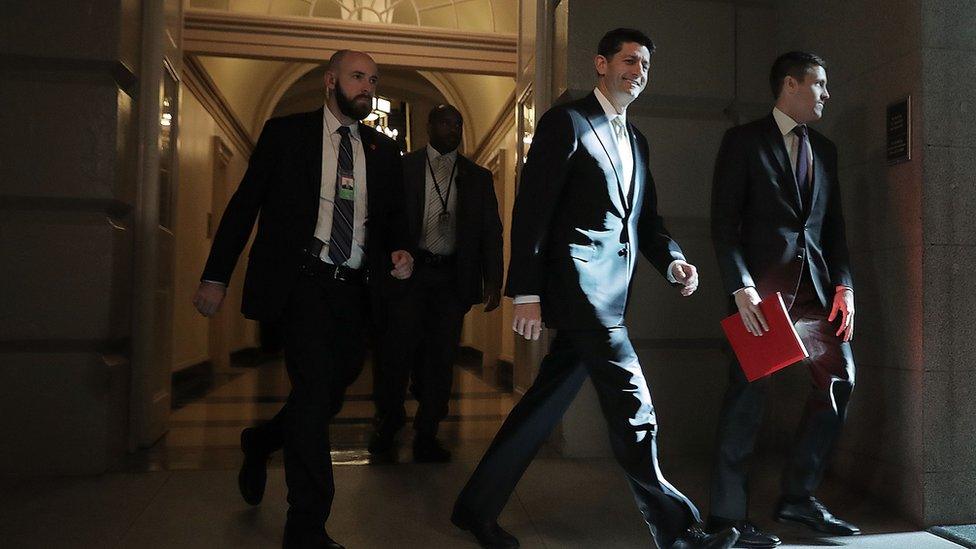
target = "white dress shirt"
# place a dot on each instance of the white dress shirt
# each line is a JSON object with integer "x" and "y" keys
{"x": 330, "y": 167}
{"x": 618, "y": 127}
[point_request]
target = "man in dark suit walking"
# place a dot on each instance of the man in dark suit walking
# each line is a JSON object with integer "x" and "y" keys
{"x": 586, "y": 205}
{"x": 313, "y": 178}
{"x": 456, "y": 234}
{"x": 777, "y": 226}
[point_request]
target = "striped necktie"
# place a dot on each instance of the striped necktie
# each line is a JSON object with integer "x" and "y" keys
{"x": 340, "y": 244}
{"x": 435, "y": 238}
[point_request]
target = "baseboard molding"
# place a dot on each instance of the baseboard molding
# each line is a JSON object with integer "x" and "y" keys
{"x": 472, "y": 360}
{"x": 190, "y": 363}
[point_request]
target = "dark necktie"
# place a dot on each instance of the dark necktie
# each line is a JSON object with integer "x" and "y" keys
{"x": 340, "y": 245}
{"x": 803, "y": 162}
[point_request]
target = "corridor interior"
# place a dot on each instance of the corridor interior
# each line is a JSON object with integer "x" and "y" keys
{"x": 182, "y": 492}
{"x": 205, "y": 428}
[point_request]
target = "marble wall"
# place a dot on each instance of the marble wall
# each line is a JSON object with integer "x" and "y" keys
{"x": 67, "y": 193}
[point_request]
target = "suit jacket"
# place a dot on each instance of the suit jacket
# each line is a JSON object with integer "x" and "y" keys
{"x": 479, "y": 229}
{"x": 574, "y": 232}
{"x": 764, "y": 234}
{"x": 282, "y": 183}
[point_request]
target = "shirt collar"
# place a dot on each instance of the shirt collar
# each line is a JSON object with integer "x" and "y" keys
{"x": 332, "y": 123}
{"x": 783, "y": 120}
{"x": 433, "y": 154}
{"x": 608, "y": 107}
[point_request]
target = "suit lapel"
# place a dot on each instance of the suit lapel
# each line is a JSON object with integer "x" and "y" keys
{"x": 369, "y": 145}
{"x": 597, "y": 119}
{"x": 819, "y": 174}
{"x": 464, "y": 194}
{"x": 313, "y": 155}
{"x": 777, "y": 149}
{"x": 415, "y": 181}
{"x": 367, "y": 137}
{"x": 637, "y": 179}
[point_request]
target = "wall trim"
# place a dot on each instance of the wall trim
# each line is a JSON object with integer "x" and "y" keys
{"x": 112, "y": 207}
{"x": 504, "y": 123}
{"x": 315, "y": 39}
{"x": 122, "y": 74}
{"x": 190, "y": 362}
{"x": 201, "y": 85}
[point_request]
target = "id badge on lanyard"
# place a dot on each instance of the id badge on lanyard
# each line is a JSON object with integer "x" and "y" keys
{"x": 444, "y": 222}
{"x": 347, "y": 185}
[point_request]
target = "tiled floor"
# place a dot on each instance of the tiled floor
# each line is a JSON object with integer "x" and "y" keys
{"x": 205, "y": 434}
{"x": 183, "y": 493}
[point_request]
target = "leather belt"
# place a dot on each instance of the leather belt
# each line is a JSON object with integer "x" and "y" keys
{"x": 428, "y": 258}
{"x": 313, "y": 266}
{"x": 320, "y": 269}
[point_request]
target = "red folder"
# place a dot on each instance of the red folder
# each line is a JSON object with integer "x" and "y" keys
{"x": 776, "y": 349}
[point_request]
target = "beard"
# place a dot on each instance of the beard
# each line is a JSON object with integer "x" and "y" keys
{"x": 350, "y": 108}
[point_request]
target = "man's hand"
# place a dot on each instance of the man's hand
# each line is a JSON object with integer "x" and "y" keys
{"x": 493, "y": 296}
{"x": 208, "y": 298}
{"x": 685, "y": 274}
{"x": 402, "y": 264}
{"x": 528, "y": 320}
{"x": 844, "y": 302}
{"x": 747, "y": 300}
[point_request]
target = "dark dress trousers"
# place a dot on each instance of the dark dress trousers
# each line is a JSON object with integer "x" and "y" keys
{"x": 574, "y": 238}
{"x": 322, "y": 320}
{"x": 423, "y": 320}
{"x": 769, "y": 235}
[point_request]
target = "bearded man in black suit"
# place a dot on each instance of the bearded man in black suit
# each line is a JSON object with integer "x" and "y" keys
{"x": 314, "y": 178}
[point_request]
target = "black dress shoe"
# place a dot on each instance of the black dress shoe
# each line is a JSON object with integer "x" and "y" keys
{"x": 488, "y": 533}
{"x": 382, "y": 447}
{"x": 430, "y": 450}
{"x": 696, "y": 538}
{"x": 304, "y": 539}
{"x": 810, "y": 512}
{"x": 254, "y": 471}
{"x": 749, "y": 534}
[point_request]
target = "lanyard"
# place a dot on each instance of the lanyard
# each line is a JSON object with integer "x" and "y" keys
{"x": 445, "y": 198}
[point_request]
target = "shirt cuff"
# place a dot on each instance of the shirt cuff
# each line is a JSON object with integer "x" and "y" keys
{"x": 671, "y": 277}
{"x": 224, "y": 284}
{"x": 521, "y": 299}
{"x": 742, "y": 288}
{"x": 841, "y": 288}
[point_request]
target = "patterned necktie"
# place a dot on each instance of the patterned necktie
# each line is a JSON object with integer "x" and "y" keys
{"x": 436, "y": 240}
{"x": 618, "y": 129}
{"x": 803, "y": 162}
{"x": 340, "y": 244}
